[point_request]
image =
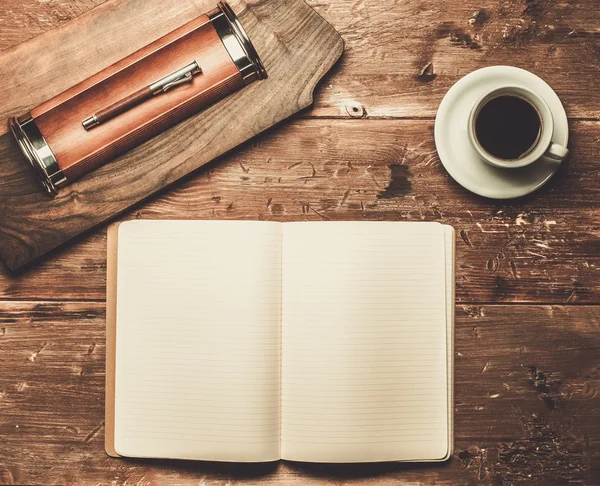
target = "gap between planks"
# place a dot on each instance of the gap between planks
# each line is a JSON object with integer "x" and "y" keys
{"x": 8, "y": 300}
{"x": 408, "y": 118}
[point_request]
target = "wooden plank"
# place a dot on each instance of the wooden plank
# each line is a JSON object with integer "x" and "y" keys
{"x": 401, "y": 57}
{"x": 523, "y": 412}
{"x": 31, "y": 224}
{"x": 29, "y": 18}
{"x": 544, "y": 248}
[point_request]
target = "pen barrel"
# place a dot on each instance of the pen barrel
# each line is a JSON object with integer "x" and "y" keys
{"x": 63, "y": 142}
{"x": 123, "y": 105}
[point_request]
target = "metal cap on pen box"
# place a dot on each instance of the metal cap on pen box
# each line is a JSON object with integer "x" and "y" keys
{"x": 37, "y": 151}
{"x": 238, "y": 44}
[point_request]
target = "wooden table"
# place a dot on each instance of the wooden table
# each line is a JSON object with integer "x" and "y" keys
{"x": 528, "y": 271}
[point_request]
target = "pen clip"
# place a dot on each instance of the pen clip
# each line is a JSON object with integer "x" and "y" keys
{"x": 181, "y": 76}
{"x": 186, "y": 78}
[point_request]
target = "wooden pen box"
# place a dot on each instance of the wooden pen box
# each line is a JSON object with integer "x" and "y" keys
{"x": 138, "y": 97}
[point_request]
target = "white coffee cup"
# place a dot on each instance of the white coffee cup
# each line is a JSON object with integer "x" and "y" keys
{"x": 543, "y": 145}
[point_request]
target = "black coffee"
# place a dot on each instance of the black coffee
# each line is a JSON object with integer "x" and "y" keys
{"x": 508, "y": 127}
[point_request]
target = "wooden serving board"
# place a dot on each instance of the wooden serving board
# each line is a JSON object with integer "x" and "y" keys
{"x": 297, "y": 46}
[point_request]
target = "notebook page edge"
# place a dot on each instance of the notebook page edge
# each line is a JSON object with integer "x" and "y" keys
{"x": 111, "y": 310}
{"x": 450, "y": 238}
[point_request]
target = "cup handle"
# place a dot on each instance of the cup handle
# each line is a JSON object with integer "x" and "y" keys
{"x": 556, "y": 152}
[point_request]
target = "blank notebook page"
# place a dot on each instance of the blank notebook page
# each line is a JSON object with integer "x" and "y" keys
{"x": 198, "y": 340}
{"x": 364, "y": 349}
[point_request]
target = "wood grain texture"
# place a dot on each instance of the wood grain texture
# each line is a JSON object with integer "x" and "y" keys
{"x": 526, "y": 390}
{"x": 527, "y": 375}
{"x": 401, "y": 57}
{"x": 296, "y": 59}
{"x": 29, "y": 18}
{"x": 121, "y": 106}
{"x": 544, "y": 248}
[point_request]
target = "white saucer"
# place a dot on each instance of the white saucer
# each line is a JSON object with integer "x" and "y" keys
{"x": 459, "y": 157}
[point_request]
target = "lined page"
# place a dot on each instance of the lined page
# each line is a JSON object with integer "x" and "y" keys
{"x": 364, "y": 350}
{"x": 198, "y": 340}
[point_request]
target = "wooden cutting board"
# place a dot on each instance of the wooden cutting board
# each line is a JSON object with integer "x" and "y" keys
{"x": 297, "y": 46}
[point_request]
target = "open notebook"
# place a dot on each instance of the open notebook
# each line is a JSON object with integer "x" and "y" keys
{"x": 258, "y": 341}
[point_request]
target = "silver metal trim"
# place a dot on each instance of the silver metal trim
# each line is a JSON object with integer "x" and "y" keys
{"x": 90, "y": 122}
{"x": 238, "y": 44}
{"x": 181, "y": 76}
{"x": 37, "y": 152}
